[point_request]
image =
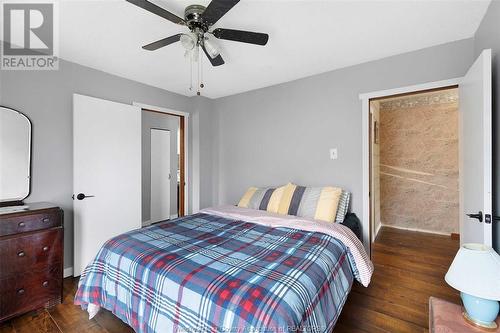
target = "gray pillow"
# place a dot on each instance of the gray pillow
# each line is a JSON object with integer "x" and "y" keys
{"x": 343, "y": 206}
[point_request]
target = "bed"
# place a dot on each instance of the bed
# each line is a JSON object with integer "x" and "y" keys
{"x": 227, "y": 269}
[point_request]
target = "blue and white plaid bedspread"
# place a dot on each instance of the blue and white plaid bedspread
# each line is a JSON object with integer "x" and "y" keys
{"x": 205, "y": 273}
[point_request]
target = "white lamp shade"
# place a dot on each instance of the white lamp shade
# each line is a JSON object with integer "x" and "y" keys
{"x": 476, "y": 271}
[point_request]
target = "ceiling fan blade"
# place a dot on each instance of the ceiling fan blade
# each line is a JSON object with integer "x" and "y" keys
{"x": 241, "y": 36}
{"x": 162, "y": 42}
{"x": 217, "y": 61}
{"x": 150, "y": 7}
{"x": 216, "y": 9}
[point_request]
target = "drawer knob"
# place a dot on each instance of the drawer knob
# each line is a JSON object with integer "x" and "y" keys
{"x": 45, "y": 283}
{"x": 21, "y": 224}
{"x": 46, "y": 220}
{"x": 21, "y": 254}
{"x": 45, "y": 248}
{"x": 20, "y": 291}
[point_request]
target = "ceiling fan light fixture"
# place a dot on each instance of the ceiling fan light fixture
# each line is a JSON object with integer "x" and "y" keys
{"x": 188, "y": 42}
{"x": 212, "y": 49}
{"x": 199, "y": 20}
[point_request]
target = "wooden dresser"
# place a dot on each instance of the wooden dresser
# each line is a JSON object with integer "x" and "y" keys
{"x": 31, "y": 259}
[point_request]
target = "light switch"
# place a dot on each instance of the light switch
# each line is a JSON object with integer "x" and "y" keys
{"x": 333, "y": 153}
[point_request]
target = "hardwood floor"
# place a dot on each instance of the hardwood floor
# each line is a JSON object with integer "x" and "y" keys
{"x": 409, "y": 267}
{"x": 65, "y": 317}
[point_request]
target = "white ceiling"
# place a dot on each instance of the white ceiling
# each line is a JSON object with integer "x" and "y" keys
{"x": 306, "y": 37}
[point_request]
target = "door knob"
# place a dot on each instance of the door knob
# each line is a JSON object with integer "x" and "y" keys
{"x": 81, "y": 196}
{"x": 478, "y": 216}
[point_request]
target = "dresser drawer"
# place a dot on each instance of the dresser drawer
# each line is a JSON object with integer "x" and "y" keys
{"x": 30, "y": 291}
{"x": 33, "y": 251}
{"x": 29, "y": 222}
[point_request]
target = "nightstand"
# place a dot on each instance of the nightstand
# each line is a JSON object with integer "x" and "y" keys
{"x": 446, "y": 317}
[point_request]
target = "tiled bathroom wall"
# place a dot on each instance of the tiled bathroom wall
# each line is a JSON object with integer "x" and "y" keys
{"x": 419, "y": 161}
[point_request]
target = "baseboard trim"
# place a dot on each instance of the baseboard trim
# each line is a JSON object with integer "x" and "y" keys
{"x": 377, "y": 230}
{"x": 455, "y": 236}
{"x": 417, "y": 230}
{"x": 149, "y": 222}
{"x": 68, "y": 272}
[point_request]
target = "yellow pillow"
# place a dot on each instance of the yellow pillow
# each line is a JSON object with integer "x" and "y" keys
{"x": 328, "y": 202}
{"x": 274, "y": 201}
{"x": 286, "y": 198}
{"x": 245, "y": 200}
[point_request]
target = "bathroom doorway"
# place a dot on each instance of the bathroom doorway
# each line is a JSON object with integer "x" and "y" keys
{"x": 414, "y": 162}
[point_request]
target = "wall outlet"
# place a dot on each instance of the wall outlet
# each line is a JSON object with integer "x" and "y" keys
{"x": 333, "y": 153}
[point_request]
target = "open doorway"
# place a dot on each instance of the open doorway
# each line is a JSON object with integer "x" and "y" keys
{"x": 163, "y": 166}
{"x": 414, "y": 162}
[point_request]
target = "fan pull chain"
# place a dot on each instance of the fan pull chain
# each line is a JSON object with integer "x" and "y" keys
{"x": 190, "y": 71}
{"x": 198, "y": 66}
{"x": 202, "y": 85}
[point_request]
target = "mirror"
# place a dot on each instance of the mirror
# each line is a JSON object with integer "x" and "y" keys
{"x": 15, "y": 156}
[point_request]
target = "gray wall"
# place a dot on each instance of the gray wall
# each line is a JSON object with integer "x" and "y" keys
{"x": 283, "y": 133}
{"x": 46, "y": 98}
{"x": 159, "y": 121}
{"x": 488, "y": 37}
{"x": 208, "y": 154}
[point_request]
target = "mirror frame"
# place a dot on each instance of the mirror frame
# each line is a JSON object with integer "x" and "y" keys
{"x": 30, "y": 149}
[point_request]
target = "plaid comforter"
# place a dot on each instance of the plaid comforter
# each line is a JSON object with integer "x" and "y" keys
{"x": 206, "y": 273}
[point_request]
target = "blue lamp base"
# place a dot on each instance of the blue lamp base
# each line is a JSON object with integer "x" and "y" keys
{"x": 479, "y": 311}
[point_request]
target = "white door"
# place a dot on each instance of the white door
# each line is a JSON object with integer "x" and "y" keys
{"x": 476, "y": 152}
{"x": 106, "y": 169}
{"x": 160, "y": 175}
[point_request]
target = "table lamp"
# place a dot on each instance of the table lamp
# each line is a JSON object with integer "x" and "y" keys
{"x": 475, "y": 272}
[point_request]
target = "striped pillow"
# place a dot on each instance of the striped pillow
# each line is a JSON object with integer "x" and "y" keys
{"x": 319, "y": 203}
{"x": 281, "y": 199}
{"x": 343, "y": 207}
{"x": 271, "y": 199}
{"x": 257, "y": 198}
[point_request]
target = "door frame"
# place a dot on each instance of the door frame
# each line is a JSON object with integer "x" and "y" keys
{"x": 170, "y": 215}
{"x": 185, "y": 152}
{"x": 365, "y": 137}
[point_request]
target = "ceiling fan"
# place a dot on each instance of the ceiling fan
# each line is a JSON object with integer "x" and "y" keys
{"x": 199, "y": 20}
